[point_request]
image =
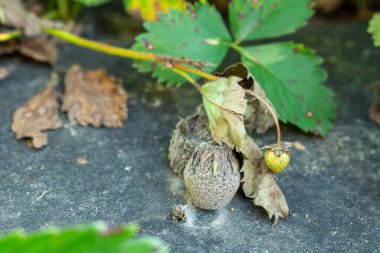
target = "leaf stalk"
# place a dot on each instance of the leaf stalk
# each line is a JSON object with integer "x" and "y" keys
{"x": 10, "y": 35}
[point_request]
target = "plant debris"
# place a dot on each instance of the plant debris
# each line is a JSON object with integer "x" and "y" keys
{"x": 299, "y": 146}
{"x": 257, "y": 116}
{"x": 225, "y": 104}
{"x": 81, "y": 160}
{"x": 259, "y": 184}
{"x": 94, "y": 98}
{"x": 3, "y": 73}
{"x": 374, "y": 110}
{"x": 16, "y": 16}
{"x": 38, "y": 114}
{"x": 179, "y": 213}
{"x": 37, "y": 48}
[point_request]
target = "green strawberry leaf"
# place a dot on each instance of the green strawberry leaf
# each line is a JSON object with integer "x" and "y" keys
{"x": 251, "y": 20}
{"x": 197, "y": 34}
{"x": 374, "y": 29}
{"x": 96, "y": 238}
{"x": 292, "y": 79}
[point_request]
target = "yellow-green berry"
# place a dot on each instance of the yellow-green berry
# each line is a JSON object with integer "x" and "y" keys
{"x": 276, "y": 160}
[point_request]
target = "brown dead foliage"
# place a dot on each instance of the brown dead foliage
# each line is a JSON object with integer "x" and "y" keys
{"x": 16, "y": 16}
{"x": 94, "y": 98}
{"x": 37, "y": 48}
{"x": 3, "y": 73}
{"x": 36, "y": 115}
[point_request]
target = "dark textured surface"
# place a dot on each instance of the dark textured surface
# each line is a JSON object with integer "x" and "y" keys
{"x": 332, "y": 188}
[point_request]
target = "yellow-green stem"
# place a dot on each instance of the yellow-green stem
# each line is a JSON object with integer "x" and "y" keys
{"x": 196, "y": 72}
{"x": 10, "y": 35}
{"x": 97, "y": 46}
{"x": 123, "y": 52}
{"x": 235, "y": 46}
{"x": 188, "y": 78}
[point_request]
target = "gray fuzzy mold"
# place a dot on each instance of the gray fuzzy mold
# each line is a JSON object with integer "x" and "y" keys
{"x": 186, "y": 137}
{"x": 212, "y": 176}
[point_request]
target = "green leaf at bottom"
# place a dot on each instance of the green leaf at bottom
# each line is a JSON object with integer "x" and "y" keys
{"x": 292, "y": 79}
{"x": 95, "y": 238}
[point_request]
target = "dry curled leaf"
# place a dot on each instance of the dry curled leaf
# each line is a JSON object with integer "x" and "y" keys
{"x": 16, "y": 16}
{"x": 37, "y": 48}
{"x": 259, "y": 184}
{"x": 269, "y": 196}
{"x": 257, "y": 116}
{"x": 38, "y": 114}
{"x": 225, "y": 104}
{"x": 94, "y": 98}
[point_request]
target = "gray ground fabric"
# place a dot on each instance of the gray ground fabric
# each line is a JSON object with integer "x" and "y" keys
{"x": 332, "y": 188}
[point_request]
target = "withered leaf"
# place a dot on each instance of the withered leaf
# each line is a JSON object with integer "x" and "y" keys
{"x": 94, "y": 98}
{"x": 257, "y": 116}
{"x": 225, "y": 105}
{"x": 36, "y": 115}
{"x": 37, "y": 48}
{"x": 3, "y": 73}
{"x": 16, "y": 16}
{"x": 259, "y": 184}
{"x": 269, "y": 196}
{"x": 374, "y": 110}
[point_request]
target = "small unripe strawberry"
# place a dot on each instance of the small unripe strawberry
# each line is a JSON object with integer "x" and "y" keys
{"x": 276, "y": 163}
{"x": 276, "y": 157}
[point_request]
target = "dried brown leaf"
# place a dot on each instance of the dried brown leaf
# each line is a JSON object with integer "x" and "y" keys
{"x": 16, "y": 16}
{"x": 225, "y": 104}
{"x": 256, "y": 117}
{"x": 37, "y": 48}
{"x": 38, "y": 114}
{"x": 259, "y": 184}
{"x": 268, "y": 195}
{"x": 3, "y": 73}
{"x": 374, "y": 110}
{"x": 94, "y": 98}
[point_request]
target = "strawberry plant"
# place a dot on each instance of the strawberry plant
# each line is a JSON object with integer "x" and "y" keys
{"x": 275, "y": 79}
